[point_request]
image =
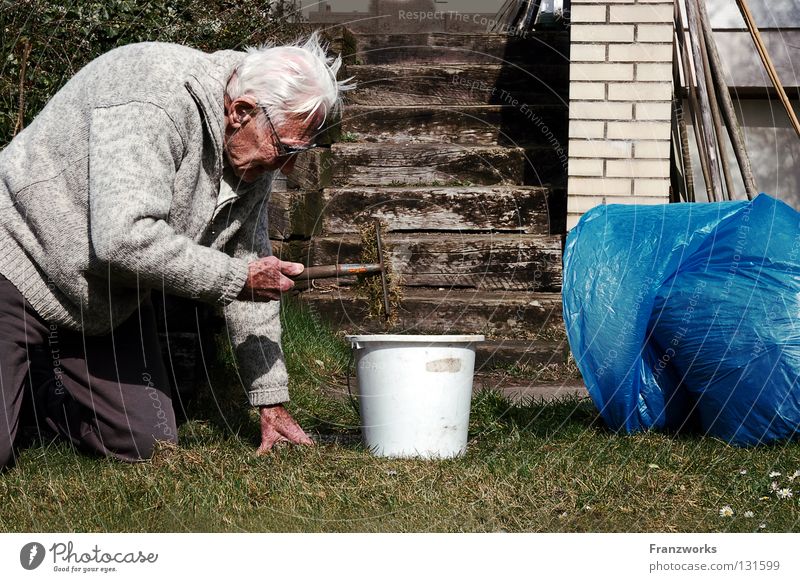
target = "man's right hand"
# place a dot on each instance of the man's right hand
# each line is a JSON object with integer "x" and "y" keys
{"x": 267, "y": 278}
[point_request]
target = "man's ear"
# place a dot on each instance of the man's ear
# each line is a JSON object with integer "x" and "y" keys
{"x": 239, "y": 111}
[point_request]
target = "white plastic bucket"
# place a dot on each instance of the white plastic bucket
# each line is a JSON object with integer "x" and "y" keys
{"x": 415, "y": 393}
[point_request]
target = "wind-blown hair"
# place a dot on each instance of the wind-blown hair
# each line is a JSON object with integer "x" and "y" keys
{"x": 298, "y": 79}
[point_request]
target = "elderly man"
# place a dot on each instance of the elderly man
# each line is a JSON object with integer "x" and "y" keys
{"x": 149, "y": 170}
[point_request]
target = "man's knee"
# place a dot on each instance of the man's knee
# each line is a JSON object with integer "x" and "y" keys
{"x": 138, "y": 446}
{"x": 132, "y": 433}
{"x": 132, "y": 437}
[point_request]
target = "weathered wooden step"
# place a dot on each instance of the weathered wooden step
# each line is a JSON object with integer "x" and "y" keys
{"x": 441, "y": 47}
{"x": 515, "y": 262}
{"x": 516, "y": 314}
{"x": 522, "y": 353}
{"x": 457, "y": 209}
{"x": 456, "y": 84}
{"x": 394, "y": 164}
{"x": 462, "y": 124}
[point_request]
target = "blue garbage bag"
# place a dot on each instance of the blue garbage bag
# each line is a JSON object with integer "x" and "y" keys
{"x": 687, "y": 317}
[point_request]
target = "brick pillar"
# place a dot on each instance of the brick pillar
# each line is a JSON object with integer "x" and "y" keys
{"x": 619, "y": 103}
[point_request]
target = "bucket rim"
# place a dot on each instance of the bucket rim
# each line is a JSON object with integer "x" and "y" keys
{"x": 415, "y": 338}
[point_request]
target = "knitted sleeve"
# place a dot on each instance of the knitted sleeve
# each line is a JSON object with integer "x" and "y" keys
{"x": 134, "y": 150}
{"x": 254, "y": 328}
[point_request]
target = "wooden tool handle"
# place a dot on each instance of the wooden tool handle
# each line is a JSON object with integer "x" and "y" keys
{"x": 344, "y": 270}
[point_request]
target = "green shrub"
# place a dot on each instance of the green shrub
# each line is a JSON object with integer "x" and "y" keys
{"x": 52, "y": 40}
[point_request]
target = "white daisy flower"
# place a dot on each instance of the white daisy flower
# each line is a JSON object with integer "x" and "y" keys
{"x": 774, "y": 486}
{"x": 774, "y": 474}
{"x": 749, "y": 514}
{"x": 784, "y": 493}
{"x": 726, "y": 511}
{"x": 743, "y": 472}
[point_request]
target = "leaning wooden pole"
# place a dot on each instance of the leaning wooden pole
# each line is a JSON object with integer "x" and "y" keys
{"x": 680, "y": 126}
{"x": 697, "y": 122}
{"x": 716, "y": 117}
{"x": 773, "y": 74}
{"x": 704, "y": 103}
{"x": 728, "y": 112}
{"x": 686, "y": 158}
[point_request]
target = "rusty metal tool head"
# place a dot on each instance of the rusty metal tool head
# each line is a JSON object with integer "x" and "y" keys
{"x": 304, "y": 279}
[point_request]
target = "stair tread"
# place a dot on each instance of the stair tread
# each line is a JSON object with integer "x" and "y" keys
{"x": 518, "y": 344}
{"x": 499, "y": 262}
{"x": 450, "y": 84}
{"x": 469, "y": 47}
{"x": 417, "y": 163}
{"x": 471, "y": 189}
{"x": 457, "y": 107}
{"x": 506, "y": 238}
{"x": 453, "y": 208}
{"x": 531, "y": 36}
{"x": 354, "y": 70}
{"x": 426, "y": 147}
{"x": 532, "y": 298}
{"x": 494, "y": 351}
{"x": 475, "y": 124}
{"x": 499, "y": 313}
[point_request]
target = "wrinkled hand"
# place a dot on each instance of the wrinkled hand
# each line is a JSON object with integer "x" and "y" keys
{"x": 277, "y": 425}
{"x": 267, "y": 278}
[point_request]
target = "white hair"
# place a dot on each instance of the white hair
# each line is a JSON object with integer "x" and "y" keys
{"x": 298, "y": 79}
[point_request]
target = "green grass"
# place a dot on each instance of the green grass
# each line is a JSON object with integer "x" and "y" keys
{"x": 348, "y": 137}
{"x": 532, "y": 467}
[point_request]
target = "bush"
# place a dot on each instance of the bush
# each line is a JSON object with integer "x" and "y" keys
{"x": 45, "y": 42}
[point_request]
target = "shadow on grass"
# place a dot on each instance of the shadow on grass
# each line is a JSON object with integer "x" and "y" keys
{"x": 315, "y": 358}
{"x": 219, "y": 408}
{"x": 493, "y": 413}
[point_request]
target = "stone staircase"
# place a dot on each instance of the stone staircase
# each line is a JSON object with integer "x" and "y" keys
{"x": 457, "y": 142}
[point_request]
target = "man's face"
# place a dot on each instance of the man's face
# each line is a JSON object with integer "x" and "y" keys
{"x": 251, "y": 145}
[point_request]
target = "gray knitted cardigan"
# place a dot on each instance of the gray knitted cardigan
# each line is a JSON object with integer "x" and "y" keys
{"x": 112, "y": 191}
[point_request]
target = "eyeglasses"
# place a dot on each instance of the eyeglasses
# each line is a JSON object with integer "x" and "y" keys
{"x": 285, "y": 150}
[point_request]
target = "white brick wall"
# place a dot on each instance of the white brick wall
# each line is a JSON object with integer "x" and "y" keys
{"x": 640, "y": 52}
{"x": 620, "y": 103}
{"x": 602, "y": 33}
{"x": 653, "y": 33}
{"x": 604, "y": 110}
{"x": 654, "y": 110}
{"x": 587, "y": 129}
{"x": 641, "y": 13}
{"x": 653, "y": 91}
{"x": 637, "y": 130}
{"x": 587, "y": 91}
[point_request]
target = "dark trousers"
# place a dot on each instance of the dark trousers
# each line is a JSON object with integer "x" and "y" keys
{"x": 105, "y": 394}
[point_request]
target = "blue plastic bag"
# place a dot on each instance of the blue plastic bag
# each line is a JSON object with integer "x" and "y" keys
{"x": 687, "y": 316}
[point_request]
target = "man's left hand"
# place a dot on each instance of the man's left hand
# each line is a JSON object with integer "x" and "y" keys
{"x": 277, "y": 425}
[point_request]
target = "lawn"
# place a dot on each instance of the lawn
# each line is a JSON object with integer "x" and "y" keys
{"x": 542, "y": 467}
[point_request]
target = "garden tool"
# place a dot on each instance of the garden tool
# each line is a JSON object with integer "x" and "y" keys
{"x": 310, "y": 273}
